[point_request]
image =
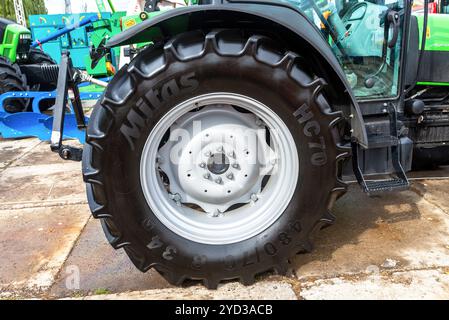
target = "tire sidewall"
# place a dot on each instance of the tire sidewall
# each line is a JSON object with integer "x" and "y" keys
{"x": 12, "y": 79}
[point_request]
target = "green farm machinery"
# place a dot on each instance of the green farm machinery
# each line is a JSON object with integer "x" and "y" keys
{"x": 26, "y": 67}
{"x": 18, "y": 62}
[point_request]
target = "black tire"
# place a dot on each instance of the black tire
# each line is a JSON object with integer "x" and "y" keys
{"x": 430, "y": 158}
{"x": 260, "y": 69}
{"x": 37, "y": 56}
{"x": 12, "y": 79}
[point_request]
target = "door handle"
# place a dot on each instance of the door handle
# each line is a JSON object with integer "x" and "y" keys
{"x": 394, "y": 19}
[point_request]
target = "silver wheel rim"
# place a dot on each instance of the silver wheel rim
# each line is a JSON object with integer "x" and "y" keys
{"x": 209, "y": 201}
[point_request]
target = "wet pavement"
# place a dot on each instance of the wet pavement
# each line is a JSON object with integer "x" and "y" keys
{"x": 393, "y": 246}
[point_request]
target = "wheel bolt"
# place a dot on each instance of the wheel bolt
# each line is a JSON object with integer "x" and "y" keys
{"x": 176, "y": 198}
{"x": 218, "y": 180}
{"x": 202, "y": 165}
{"x": 235, "y": 165}
{"x": 206, "y": 176}
{"x": 230, "y": 176}
{"x": 215, "y": 214}
{"x": 254, "y": 197}
{"x": 221, "y": 149}
{"x": 208, "y": 154}
{"x": 231, "y": 154}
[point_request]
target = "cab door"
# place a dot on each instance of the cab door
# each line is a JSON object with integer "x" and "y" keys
{"x": 367, "y": 38}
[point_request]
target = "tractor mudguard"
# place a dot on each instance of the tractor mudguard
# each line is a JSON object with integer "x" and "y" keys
{"x": 265, "y": 15}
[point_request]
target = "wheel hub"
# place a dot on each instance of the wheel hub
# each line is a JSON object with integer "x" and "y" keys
{"x": 218, "y": 163}
{"x": 222, "y": 154}
{"x": 220, "y": 178}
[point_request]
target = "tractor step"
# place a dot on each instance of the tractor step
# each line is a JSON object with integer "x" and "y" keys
{"x": 382, "y": 141}
{"x": 377, "y": 186}
{"x": 398, "y": 180}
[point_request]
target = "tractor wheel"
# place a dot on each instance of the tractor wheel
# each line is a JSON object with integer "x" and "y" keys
{"x": 213, "y": 158}
{"x": 12, "y": 79}
{"x": 37, "y": 56}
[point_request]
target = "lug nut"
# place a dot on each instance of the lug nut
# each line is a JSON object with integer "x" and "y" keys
{"x": 208, "y": 154}
{"x": 221, "y": 149}
{"x": 206, "y": 176}
{"x": 231, "y": 154}
{"x": 254, "y": 197}
{"x": 235, "y": 165}
{"x": 177, "y": 198}
{"x": 218, "y": 180}
{"x": 230, "y": 176}
{"x": 202, "y": 165}
{"x": 215, "y": 214}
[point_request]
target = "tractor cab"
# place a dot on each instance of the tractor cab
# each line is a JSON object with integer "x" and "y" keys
{"x": 378, "y": 44}
{"x": 15, "y": 40}
{"x": 396, "y": 63}
{"x": 366, "y": 37}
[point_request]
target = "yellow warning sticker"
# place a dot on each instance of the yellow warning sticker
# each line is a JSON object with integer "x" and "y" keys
{"x": 428, "y": 33}
{"x": 130, "y": 23}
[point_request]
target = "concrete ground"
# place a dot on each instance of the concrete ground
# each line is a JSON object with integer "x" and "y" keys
{"x": 394, "y": 246}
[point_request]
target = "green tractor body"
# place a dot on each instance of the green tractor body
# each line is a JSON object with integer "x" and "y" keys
{"x": 15, "y": 40}
{"x": 435, "y": 70}
{"x": 23, "y": 68}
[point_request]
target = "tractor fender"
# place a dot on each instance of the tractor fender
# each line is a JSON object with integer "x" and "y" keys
{"x": 289, "y": 22}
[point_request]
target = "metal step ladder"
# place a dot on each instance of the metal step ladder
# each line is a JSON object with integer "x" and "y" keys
{"x": 398, "y": 180}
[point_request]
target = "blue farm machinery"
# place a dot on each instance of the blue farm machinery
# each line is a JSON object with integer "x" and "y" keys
{"x": 30, "y": 59}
